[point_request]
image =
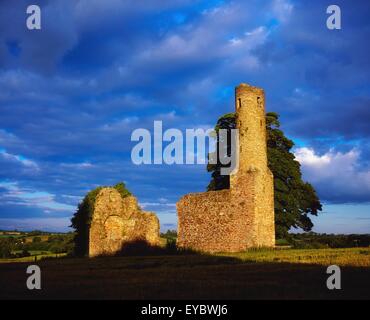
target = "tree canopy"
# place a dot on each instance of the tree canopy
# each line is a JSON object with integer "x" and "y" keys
{"x": 294, "y": 198}
{"x": 5, "y": 247}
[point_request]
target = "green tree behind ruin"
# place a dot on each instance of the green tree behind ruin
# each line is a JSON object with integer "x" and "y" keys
{"x": 6, "y": 246}
{"x": 294, "y": 199}
{"x": 81, "y": 220}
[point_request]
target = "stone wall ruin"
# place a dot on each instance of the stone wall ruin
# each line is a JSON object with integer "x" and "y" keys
{"x": 117, "y": 221}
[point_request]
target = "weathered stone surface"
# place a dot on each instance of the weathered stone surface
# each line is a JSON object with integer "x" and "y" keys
{"x": 117, "y": 221}
{"x": 243, "y": 216}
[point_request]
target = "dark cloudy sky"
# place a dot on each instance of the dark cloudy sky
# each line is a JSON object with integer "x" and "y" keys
{"x": 72, "y": 93}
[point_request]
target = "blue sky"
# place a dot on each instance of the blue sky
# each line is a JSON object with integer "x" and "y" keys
{"x": 72, "y": 93}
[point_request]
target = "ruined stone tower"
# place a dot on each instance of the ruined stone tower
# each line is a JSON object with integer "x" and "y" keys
{"x": 243, "y": 216}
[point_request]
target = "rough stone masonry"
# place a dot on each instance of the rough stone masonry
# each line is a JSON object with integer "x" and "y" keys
{"x": 243, "y": 216}
{"x": 117, "y": 221}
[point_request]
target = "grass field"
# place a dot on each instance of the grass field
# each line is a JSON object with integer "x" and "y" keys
{"x": 357, "y": 257}
{"x": 11, "y": 236}
{"x": 35, "y": 256}
{"x": 255, "y": 274}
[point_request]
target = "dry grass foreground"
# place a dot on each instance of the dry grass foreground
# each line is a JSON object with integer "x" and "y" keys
{"x": 356, "y": 257}
{"x": 255, "y": 274}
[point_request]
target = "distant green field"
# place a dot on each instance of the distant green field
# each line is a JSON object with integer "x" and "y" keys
{"x": 11, "y": 235}
{"x": 35, "y": 256}
{"x": 34, "y": 252}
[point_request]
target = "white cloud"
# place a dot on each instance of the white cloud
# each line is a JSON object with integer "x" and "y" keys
{"x": 337, "y": 176}
{"x": 44, "y": 224}
{"x": 282, "y": 9}
{"x": 81, "y": 165}
{"x": 208, "y": 40}
{"x": 19, "y": 159}
{"x": 121, "y": 125}
{"x": 251, "y": 39}
{"x": 154, "y": 204}
{"x": 307, "y": 157}
{"x": 15, "y": 195}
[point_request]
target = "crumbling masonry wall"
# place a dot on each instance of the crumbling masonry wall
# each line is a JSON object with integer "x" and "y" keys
{"x": 117, "y": 221}
{"x": 243, "y": 216}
